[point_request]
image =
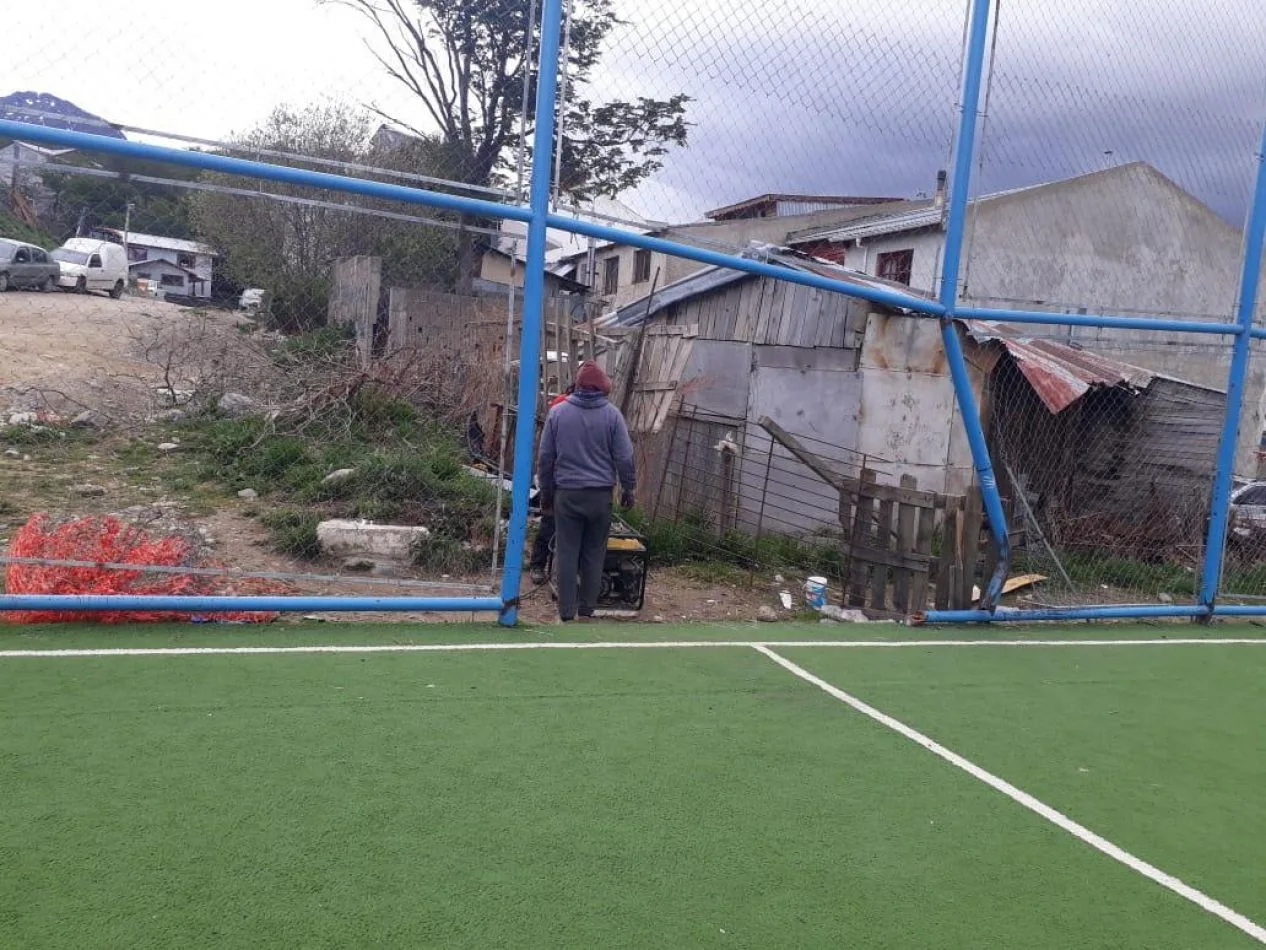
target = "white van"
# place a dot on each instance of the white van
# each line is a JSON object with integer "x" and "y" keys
{"x": 88, "y": 264}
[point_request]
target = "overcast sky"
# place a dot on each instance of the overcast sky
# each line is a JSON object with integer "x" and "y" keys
{"x": 789, "y": 95}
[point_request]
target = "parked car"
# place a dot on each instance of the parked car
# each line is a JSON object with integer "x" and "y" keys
{"x": 88, "y": 265}
{"x": 25, "y": 265}
{"x": 254, "y": 300}
{"x": 1248, "y": 512}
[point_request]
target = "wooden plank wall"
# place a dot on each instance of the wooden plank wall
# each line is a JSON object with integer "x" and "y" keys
{"x": 657, "y": 355}
{"x": 355, "y": 286}
{"x": 768, "y": 312}
{"x": 695, "y": 480}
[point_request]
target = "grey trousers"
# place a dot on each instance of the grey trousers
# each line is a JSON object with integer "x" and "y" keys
{"x": 582, "y": 520}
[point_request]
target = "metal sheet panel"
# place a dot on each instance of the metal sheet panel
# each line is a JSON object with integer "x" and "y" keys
{"x": 716, "y": 378}
{"x": 1058, "y": 373}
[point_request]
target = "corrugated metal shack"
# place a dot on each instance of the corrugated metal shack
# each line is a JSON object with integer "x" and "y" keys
{"x": 1112, "y": 455}
{"x": 872, "y": 384}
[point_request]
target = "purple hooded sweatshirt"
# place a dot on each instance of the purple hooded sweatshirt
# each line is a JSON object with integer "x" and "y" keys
{"x": 585, "y": 445}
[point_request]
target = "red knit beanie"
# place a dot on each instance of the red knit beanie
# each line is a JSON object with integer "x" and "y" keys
{"x": 592, "y": 377}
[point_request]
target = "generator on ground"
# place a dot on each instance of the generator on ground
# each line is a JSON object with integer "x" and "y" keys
{"x": 623, "y": 573}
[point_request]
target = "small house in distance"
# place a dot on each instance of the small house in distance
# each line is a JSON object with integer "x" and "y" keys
{"x": 175, "y": 265}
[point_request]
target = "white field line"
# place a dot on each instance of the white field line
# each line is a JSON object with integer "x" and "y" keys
{"x": 604, "y": 645}
{"x": 1082, "y": 833}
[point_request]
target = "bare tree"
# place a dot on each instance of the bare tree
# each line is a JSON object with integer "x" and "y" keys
{"x": 287, "y": 246}
{"x": 465, "y": 62}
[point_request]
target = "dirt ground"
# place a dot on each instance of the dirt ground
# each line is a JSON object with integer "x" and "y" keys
{"x": 65, "y": 353}
{"x": 229, "y": 534}
{"x": 673, "y": 594}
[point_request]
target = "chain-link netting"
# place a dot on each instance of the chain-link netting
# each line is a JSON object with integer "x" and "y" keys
{"x": 289, "y": 381}
{"x": 264, "y": 386}
{"x": 1114, "y": 177}
{"x": 277, "y": 373}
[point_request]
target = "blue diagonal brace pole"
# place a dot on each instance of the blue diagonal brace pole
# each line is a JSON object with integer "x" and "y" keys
{"x": 955, "y": 228}
{"x": 533, "y": 305}
{"x": 1250, "y": 278}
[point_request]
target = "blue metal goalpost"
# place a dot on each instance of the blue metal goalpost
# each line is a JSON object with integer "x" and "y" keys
{"x": 538, "y": 217}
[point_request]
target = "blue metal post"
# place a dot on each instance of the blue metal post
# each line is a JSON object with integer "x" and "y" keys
{"x": 955, "y": 226}
{"x": 229, "y": 165}
{"x": 1220, "y": 504}
{"x": 1044, "y": 318}
{"x": 1061, "y": 614}
{"x": 533, "y": 306}
{"x": 212, "y": 604}
{"x": 875, "y": 293}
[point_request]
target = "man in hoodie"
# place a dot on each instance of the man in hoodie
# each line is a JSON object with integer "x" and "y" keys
{"x": 585, "y": 451}
{"x": 545, "y": 533}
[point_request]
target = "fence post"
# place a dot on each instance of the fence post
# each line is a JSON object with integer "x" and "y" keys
{"x": 956, "y": 220}
{"x": 666, "y": 461}
{"x": 685, "y": 467}
{"x": 1250, "y": 276}
{"x": 533, "y": 307}
{"x": 764, "y": 494}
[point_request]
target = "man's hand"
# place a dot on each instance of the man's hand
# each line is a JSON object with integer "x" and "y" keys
{"x": 627, "y": 500}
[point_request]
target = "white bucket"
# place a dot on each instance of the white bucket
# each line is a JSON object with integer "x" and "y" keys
{"x": 815, "y": 592}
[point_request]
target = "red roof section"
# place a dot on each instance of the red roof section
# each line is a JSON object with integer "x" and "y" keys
{"x": 1060, "y": 374}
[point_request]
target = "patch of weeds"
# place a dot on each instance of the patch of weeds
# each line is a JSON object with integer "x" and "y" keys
{"x": 404, "y": 469}
{"x": 320, "y": 345}
{"x": 1251, "y": 580}
{"x": 376, "y": 509}
{"x": 294, "y": 531}
{"x": 693, "y": 540}
{"x": 714, "y": 572}
{"x": 441, "y": 555}
{"x": 1089, "y": 570}
{"x": 43, "y": 436}
{"x": 136, "y": 452}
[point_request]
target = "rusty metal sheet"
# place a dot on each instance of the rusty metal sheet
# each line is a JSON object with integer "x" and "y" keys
{"x": 1059, "y": 374}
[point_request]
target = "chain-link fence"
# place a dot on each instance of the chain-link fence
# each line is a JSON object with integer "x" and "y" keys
{"x": 291, "y": 365}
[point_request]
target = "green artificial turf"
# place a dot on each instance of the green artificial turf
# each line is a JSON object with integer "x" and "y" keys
{"x": 297, "y": 633}
{"x": 1159, "y": 749}
{"x": 648, "y": 798}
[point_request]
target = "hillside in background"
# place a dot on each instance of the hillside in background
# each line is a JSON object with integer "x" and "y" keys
{"x": 41, "y": 108}
{"x": 17, "y": 230}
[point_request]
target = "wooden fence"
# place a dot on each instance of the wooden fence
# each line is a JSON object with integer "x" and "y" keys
{"x": 905, "y": 549}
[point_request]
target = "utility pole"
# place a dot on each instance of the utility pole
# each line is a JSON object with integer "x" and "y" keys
{"x": 127, "y": 229}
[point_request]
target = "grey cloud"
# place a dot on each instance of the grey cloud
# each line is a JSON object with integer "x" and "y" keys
{"x": 859, "y": 104}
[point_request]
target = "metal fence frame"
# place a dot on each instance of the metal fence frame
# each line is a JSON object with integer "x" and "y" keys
{"x": 538, "y": 217}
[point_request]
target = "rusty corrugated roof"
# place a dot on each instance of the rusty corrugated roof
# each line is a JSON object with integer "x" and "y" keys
{"x": 1060, "y": 374}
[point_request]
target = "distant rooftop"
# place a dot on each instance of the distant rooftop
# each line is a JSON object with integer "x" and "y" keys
{"x": 917, "y": 215}
{"x": 759, "y": 206}
{"x": 138, "y": 239}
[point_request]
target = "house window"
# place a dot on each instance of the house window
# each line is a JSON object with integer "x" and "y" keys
{"x": 610, "y": 275}
{"x": 185, "y": 260}
{"x": 641, "y": 267}
{"x": 895, "y": 266}
{"x": 173, "y": 280}
{"x": 135, "y": 253}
